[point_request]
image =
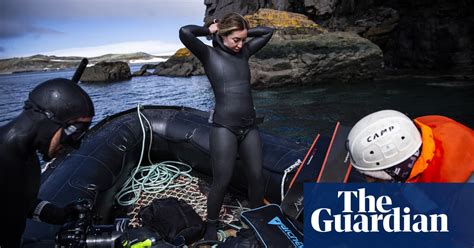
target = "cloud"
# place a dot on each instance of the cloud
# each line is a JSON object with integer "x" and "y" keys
{"x": 153, "y": 47}
{"x": 22, "y": 17}
{"x": 61, "y": 9}
{"x": 13, "y": 29}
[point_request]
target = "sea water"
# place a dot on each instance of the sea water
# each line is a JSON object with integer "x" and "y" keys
{"x": 295, "y": 112}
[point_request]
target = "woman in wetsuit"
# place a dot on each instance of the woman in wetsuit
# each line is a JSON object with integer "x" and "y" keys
{"x": 234, "y": 129}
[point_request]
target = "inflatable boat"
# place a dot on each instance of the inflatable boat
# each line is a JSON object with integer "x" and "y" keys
{"x": 111, "y": 149}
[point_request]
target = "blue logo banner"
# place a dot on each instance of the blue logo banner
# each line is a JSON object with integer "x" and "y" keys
{"x": 388, "y": 215}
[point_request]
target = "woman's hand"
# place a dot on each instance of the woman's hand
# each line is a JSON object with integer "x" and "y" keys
{"x": 213, "y": 28}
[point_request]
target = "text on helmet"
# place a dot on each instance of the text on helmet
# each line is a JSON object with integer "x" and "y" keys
{"x": 380, "y": 133}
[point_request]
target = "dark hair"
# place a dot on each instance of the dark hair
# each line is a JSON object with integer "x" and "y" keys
{"x": 232, "y": 22}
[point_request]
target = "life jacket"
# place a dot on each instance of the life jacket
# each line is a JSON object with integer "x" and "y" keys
{"x": 447, "y": 153}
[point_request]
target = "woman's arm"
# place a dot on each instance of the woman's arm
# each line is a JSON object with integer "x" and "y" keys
{"x": 188, "y": 35}
{"x": 261, "y": 37}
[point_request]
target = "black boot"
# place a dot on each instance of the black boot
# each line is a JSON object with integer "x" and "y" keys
{"x": 211, "y": 230}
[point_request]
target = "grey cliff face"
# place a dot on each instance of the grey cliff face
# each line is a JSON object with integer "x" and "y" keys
{"x": 412, "y": 33}
{"x": 216, "y": 9}
{"x": 328, "y": 57}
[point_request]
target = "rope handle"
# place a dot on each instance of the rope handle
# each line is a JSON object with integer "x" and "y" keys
{"x": 288, "y": 170}
{"x": 293, "y": 166}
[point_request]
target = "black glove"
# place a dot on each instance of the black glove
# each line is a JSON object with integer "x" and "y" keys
{"x": 52, "y": 214}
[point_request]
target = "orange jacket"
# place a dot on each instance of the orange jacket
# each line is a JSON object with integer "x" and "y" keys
{"x": 447, "y": 153}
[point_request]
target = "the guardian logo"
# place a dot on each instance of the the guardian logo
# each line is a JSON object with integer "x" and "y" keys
{"x": 374, "y": 215}
{"x": 288, "y": 233}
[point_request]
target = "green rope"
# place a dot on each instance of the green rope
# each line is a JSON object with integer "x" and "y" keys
{"x": 221, "y": 235}
{"x": 153, "y": 178}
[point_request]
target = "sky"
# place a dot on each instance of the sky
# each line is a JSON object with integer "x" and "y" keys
{"x": 94, "y": 27}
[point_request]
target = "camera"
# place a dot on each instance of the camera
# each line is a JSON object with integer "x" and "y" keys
{"x": 84, "y": 233}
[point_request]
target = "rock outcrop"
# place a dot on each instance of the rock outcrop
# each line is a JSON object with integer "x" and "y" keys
{"x": 288, "y": 25}
{"x": 106, "y": 72}
{"x": 301, "y": 52}
{"x": 37, "y": 63}
{"x": 328, "y": 57}
{"x": 144, "y": 70}
{"x": 376, "y": 24}
{"x": 182, "y": 64}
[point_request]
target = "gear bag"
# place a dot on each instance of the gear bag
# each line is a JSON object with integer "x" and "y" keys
{"x": 173, "y": 219}
{"x": 272, "y": 228}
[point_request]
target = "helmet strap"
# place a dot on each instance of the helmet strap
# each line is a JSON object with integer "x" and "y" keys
{"x": 401, "y": 172}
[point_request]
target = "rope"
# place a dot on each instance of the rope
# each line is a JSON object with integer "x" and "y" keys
{"x": 288, "y": 170}
{"x": 153, "y": 178}
{"x": 47, "y": 166}
{"x": 221, "y": 235}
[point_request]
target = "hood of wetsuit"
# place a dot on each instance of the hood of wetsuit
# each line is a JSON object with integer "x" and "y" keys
{"x": 59, "y": 101}
{"x": 218, "y": 42}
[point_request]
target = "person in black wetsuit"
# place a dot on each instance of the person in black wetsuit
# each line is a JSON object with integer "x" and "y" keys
{"x": 234, "y": 129}
{"x": 56, "y": 115}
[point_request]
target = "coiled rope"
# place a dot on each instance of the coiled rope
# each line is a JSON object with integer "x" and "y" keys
{"x": 153, "y": 178}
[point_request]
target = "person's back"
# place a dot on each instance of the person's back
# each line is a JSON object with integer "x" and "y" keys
{"x": 20, "y": 174}
{"x": 56, "y": 115}
{"x": 447, "y": 151}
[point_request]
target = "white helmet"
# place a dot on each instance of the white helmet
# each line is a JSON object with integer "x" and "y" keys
{"x": 382, "y": 139}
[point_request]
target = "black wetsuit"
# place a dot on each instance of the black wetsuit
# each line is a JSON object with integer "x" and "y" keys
{"x": 19, "y": 177}
{"x": 20, "y": 170}
{"x": 234, "y": 129}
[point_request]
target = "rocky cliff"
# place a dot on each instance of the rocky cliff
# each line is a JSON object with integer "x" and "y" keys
{"x": 432, "y": 34}
{"x": 328, "y": 57}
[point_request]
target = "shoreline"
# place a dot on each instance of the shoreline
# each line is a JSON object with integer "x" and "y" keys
{"x": 136, "y": 62}
{"x": 44, "y": 63}
{"x": 384, "y": 74}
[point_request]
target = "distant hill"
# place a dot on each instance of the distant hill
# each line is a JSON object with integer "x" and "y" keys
{"x": 50, "y": 63}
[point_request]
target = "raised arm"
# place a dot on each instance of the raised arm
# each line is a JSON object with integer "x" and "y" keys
{"x": 261, "y": 36}
{"x": 188, "y": 35}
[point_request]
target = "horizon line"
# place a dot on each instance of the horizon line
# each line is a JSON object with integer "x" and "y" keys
{"x": 89, "y": 57}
